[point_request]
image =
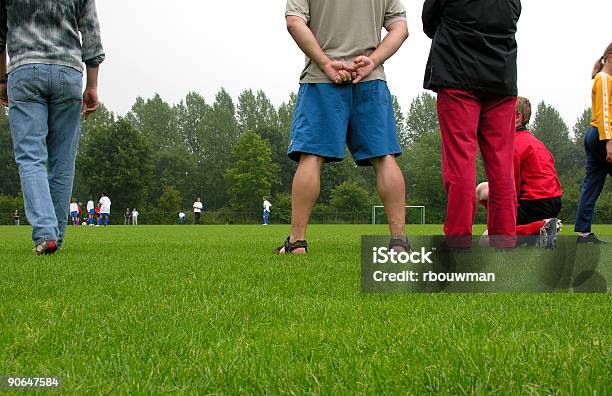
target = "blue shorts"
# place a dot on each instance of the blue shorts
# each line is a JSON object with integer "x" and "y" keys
{"x": 74, "y": 214}
{"x": 91, "y": 212}
{"x": 329, "y": 117}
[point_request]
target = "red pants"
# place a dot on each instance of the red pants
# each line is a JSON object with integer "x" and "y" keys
{"x": 469, "y": 120}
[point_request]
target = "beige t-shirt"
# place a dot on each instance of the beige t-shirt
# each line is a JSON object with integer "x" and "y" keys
{"x": 345, "y": 29}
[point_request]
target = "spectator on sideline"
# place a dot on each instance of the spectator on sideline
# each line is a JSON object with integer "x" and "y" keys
{"x": 344, "y": 100}
{"x": 182, "y": 217}
{"x": 48, "y": 42}
{"x": 598, "y": 148}
{"x": 266, "y": 211}
{"x": 16, "y": 217}
{"x": 127, "y": 215}
{"x": 537, "y": 184}
{"x": 197, "y": 210}
{"x": 472, "y": 67}
{"x": 90, "y": 211}
{"x": 135, "y": 217}
{"x": 105, "y": 209}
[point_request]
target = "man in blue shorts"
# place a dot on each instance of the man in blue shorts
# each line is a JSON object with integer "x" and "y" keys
{"x": 344, "y": 101}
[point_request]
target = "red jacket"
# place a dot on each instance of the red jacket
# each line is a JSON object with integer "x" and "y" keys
{"x": 534, "y": 169}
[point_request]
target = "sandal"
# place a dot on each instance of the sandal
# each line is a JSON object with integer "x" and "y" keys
{"x": 402, "y": 243}
{"x": 290, "y": 247}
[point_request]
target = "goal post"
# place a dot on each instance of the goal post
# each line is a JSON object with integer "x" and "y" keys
{"x": 377, "y": 209}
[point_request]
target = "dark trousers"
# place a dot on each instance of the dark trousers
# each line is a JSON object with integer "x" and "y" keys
{"x": 468, "y": 121}
{"x": 196, "y": 218}
{"x": 597, "y": 169}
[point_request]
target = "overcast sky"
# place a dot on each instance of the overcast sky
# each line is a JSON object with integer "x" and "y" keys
{"x": 202, "y": 45}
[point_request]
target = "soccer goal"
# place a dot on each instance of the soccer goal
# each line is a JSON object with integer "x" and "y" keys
{"x": 379, "y": 217}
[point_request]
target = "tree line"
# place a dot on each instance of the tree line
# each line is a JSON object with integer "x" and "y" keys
{"x": 159, "y": 157}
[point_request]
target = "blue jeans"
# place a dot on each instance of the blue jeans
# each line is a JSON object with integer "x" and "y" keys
{"x": 597, "y": 170}
{"x": 44, "y": 111}
{"x": 266, "y": 217}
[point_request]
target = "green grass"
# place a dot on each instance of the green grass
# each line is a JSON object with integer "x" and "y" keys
{"x": 210, "y": 310}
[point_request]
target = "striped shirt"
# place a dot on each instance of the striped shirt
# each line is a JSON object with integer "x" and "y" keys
{"x": 602, "y": 105}
{"x": 60, "y": 32}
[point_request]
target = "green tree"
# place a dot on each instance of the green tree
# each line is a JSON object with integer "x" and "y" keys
{"x": 9, "y": 175}
{"x": 554, "y": 133}
{"x": 100, "y": 121}
{"x": 400, "y": 121}
{"x": 423, "y": 169}
{"x": 174, "y": 166}
{"x": 170, "y": 201}
{"x": 350, "y": 197}
{"x": 247, "y": 111}
{"x": 219, "y": 135}
{"x": 583, "y": 124}
{"x": 422, "y": 119}
{"x": 156, "y": 120}
{"x": 118, "y": 160}
{"x": 335, "y": 173}
{"x": 285, "y": 113}
{"x": 190, "y": 114}
{"x": 267, "y": 115}
{"x": 253, "y": 173}
{"x": 256, "y": 112}
{"x": 277, "y": 139}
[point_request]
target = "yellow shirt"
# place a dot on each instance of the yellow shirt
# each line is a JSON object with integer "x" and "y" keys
{"x": 602, "y": 105}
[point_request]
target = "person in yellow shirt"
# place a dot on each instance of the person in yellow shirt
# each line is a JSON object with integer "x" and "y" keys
{"x": 598, "y": 147}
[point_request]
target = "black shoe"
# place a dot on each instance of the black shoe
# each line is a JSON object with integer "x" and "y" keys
{"x": 591, "y": 238}
{"x": 549, "y": 234}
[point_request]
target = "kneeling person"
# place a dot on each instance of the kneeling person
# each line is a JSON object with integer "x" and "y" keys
{"x": 537, "y": 185}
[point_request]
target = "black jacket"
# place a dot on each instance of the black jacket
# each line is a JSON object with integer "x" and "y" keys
{"x": 474, "y": 46}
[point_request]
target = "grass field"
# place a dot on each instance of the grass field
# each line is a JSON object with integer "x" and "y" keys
{"x": 210, "y": 310}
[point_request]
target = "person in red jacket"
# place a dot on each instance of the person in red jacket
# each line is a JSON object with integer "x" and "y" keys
{"x": 537, "y": 184}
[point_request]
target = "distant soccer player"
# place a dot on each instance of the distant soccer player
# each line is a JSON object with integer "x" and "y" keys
{"x": 197, "y": 210}
{"x": 537, "y": 184}
{"x": 48, "y": 41}
{"x": 472, "y": 67}
{"x": 97, "y": 213}
{"x": 266, "y": 211}
{"x": 74, "y": 212}
{"x": 105, "y": 209}
{"x": 598, "y": 148}
{"x": 90, "y": 211}
{"x": 344, "y": 101}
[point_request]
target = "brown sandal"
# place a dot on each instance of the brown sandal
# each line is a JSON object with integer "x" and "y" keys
{"x": 402, "y": 243}
{"x": 290, "y": 247}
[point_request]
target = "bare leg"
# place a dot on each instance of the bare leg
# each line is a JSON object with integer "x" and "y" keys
{"x": 304, "y": 195}
{"x": 392, "y": 190}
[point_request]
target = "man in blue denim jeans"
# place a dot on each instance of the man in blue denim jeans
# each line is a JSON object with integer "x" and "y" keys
{"x": 48, "y": 42}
